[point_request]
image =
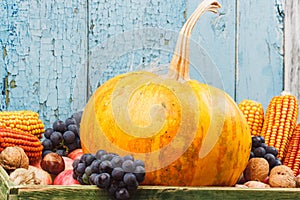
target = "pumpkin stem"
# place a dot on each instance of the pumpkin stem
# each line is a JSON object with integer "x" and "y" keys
{"x": 179, "y": 66}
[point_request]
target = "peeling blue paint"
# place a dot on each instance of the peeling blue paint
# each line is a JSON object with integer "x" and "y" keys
{"x": 45, "y": 46}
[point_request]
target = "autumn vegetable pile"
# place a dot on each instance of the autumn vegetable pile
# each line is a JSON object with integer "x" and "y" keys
{"x": 141, "y": 128}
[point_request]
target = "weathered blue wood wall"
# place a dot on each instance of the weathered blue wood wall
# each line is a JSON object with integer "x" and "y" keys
{"x": 55, "y": 53}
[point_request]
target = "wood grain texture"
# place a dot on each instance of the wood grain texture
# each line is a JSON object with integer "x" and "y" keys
{"x": 259, "y": 51}
{"x": 129, "y": 35}
{"x": 292, "y": 48}
{"x": 216, "y": 34}
{"x": 43, "y": 48}
{"x": 48, "y": 49}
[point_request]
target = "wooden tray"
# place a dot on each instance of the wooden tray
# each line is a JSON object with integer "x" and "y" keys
{"x": 9, "y": 191}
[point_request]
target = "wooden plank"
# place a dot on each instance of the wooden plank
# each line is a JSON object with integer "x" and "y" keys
{"x": 128, "y": 35}
{"x": 45, "y": 45}
{"x": 260, "y": 60}
{"x": 292, "y": 48}
{"x": 156, "y": 192}
{"x": 216, "y": 35}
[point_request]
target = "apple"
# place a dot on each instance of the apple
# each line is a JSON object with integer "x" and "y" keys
{"x": 65, "y": 178}
{"x": 68, "y": 162}
{"x": 75, "y": 154}
{"x": 41, "y": 174}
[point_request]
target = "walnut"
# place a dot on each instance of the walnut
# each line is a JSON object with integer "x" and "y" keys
{"x": 298, "y": 181}
{"x": 256, "y": 170}
{"x": 13, "y": 157}
{"x": 23, "y": 176}
{"x": 282, "y": 176}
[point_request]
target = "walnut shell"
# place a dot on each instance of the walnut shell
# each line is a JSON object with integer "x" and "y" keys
{"x": 23, "y": 176}
{"x": 282, "y": 176}
{"x": 256, "y": 170}
{"x": 12, "y": 158}
{"x": 298, "y": 181}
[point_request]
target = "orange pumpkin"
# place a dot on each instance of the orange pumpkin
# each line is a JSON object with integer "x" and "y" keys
{"x": 188, "y": 133}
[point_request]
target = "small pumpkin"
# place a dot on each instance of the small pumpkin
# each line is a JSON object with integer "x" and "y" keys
{"x": 186, "y": 132}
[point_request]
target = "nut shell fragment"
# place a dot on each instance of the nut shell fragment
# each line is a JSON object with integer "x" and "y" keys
{"x": 23, "y": 176}
{"x": 12, "y": 158}
{"x": 256, "y": 170}
{"x": 282, "y": 176}
{"x": 298, "y": 181}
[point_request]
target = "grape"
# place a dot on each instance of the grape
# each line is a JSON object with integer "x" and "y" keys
{"x": 80, "y": 168}
{"x": 251, "y": 155}
{"x": 259, "y": 152}
{"x": 74, "y": 176}
{"x": 129, "y": 157}
{"x": 85, "y": 179}
{"x": 272, "y": 150}
{"x": 140, "y": 173}
{"x": 264, "y": 145}
{"x": 262, "y": 139}
{"x": 72, "y": 146}
{"x": 61, "y": 152}
{"x": 88, "y": 170}
{"x": 108, "y": 156}
{"x": 77, "y": 116}
{"x": 100, "y": 153}
{"x": 117, "y": 161}
{"x": 139, "y": 163}
{"x": 69, "y": 121}
{"x": 56, "y": 138}
{"x": 105, "y": 166}
{"x": 117, "y": 173}
{"x": 74, "y": 129}
{"x": 271, "y": 159}
{"x": 95, "y": 166}
{"x": 92, "y": 178}
{"x": 47, "y": 144}
{"x": 112, "y": 188}
{"x": 256, "y": 141}
{"x": 89, "y": 159}
{"x": 79, "y": 179}
{"x": 59, "y": 126}
{"x": 102, "y": 180}
{"x": 120, "y": 176}
{"x": 128, "y": 166}
{"x": 78, "y": 142}
{"x": 75, "y": 163}
{"x": 277, "y": 162}
{"x": 48, "y": 132}
{"x": 46, "y": 152}
{"x": 130, "y": 179}
{"x": 122, "y": 193}
{"x": 69, "y": 137}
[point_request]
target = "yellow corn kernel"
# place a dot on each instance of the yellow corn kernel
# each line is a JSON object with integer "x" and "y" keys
{"x": 292, "y": 156}
{"x": 254, "y": 114}
{"x": 24, "y": 120}
{"x": 280, "y": 121}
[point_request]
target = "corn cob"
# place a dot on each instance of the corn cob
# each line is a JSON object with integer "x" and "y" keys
{"x": 280, "y": 122}
{"x": 292, "y": 157}
{"x": 25, "y": 120}
{"x": 254, "y": 114}
{"x": 31, "y": 144}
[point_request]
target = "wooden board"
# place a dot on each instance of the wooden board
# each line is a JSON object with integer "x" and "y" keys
{"x": 292, "y": 48}
{"x": 8, "y": 191}
{"x": 54, "y": 54}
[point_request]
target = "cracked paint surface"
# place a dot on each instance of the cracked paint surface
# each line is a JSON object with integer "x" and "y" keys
{"x": 54, "y": 54}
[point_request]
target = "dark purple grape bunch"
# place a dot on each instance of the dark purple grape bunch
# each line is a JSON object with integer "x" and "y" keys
{"x": 119, "y": 176}
{"x": 261, "y": 150}
{"x": 64, "y": 136}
